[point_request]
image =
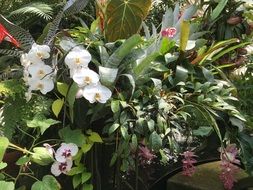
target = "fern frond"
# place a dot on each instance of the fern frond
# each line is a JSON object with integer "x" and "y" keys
{"x": 10, "y": 88}
{"x": 22, "y": 36}
{"x": 38, "y": 9}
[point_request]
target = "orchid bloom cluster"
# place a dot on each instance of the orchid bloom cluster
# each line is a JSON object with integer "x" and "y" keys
{"x": 37, "y": 75}
{"x": 63, "y": 158}
{"x": 90, "y": 88}
{"x": 188, "y": 161}
{"x": 228, "y": 169}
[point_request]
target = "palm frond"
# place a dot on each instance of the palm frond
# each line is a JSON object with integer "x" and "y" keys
{"x": 38, "y": 9}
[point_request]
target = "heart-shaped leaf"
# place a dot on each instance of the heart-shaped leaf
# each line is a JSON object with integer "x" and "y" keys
{"x": 124, "y": 18}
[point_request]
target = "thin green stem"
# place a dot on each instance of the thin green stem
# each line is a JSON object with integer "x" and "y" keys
{"x": 24, "y": 150}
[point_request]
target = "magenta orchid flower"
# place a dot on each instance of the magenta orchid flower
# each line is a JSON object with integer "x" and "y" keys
{"x": 228, "y": 169}
{"x": 188, "y": 161}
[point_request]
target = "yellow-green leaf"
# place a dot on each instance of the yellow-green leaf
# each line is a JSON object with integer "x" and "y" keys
{"x": 62, "y": 88}
{"x": 4, "y": 143}
{"x": 184, "y": 36}
{"x": 95, "y": 137}
{"x": 57, "y": 106}
{"x": 87, "y": 147}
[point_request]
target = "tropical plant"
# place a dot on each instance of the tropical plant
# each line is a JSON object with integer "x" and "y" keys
{"x": 78, "y": 92}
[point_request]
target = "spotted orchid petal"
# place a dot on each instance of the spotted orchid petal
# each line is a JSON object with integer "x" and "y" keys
{"x": 66, "y": 152}
{"x": 58, "y": 168}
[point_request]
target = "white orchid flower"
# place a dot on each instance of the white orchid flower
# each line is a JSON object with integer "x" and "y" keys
{"x": 78, "y": 58}
{"x": 39, "y": 70}
{"x": 66, "y": 152}
{"x": 67, "y": 43}
{"x": 61, "y": 167}
{"x": 97, "y": 93}
{"x": 85, "y": 76}
{"x": 38, "y": 53}
{"x": 44, "y": 86}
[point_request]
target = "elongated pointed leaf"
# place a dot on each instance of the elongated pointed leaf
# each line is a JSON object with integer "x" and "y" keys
{"x": 124, "y": 18}
{"x": 115, "y": 59}
{"x": 144, "y": 64}
{"x": 218, "y": 9}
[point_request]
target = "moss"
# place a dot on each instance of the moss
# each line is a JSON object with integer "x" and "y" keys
{"x": 205, "y": 178}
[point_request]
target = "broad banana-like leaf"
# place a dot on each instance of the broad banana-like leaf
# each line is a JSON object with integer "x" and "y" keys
{"x": 124, "y": 18}
{"x": 107, "y": 75}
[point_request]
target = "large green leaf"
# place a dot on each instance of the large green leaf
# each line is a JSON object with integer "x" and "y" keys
{"x": 7, "y": 185}
{"x": 124, "y": 17}
{"x": 48, "y": 183}
{"x": 72, "y": 136}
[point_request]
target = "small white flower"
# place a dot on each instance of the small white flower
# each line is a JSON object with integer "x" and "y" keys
{"x": 38, "y": 53}
{"x": 79, "y": 93}
{"x": 67, "y": 43}
{"x": 97, "y": 93}
{"x": 66, "y": 152}
{"x": 61, "y": 167}
{"x": 85, "y": 76}
{"x": 24, "y": 60}
{"x": 39, "y": 70}
{"x": 77, "y": 58}
{"x": 44, "y": 86}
